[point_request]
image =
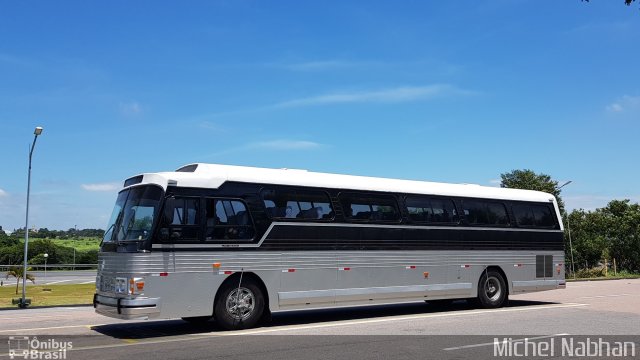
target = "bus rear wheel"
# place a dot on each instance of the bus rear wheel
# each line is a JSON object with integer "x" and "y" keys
{"x": 239, "y": 307}
{"x": 492, "y": 290}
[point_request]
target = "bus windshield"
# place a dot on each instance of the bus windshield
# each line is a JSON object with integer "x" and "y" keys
{"x": 133, "y": 214}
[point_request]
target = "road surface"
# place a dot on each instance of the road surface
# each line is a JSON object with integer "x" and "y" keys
{"x": 601, "y": 309}
{"x": 58, "y": 277}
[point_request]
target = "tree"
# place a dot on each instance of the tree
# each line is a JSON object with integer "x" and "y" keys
{"x": 623, "y": 232}
{"x": 17, "y": 273}
{"x": 6, "y": 240}
{"x": 612, "y": 232}
{"x": 626, "y": 2}
{"x": 588, "y": 235}
{"x": 529, "y": 180}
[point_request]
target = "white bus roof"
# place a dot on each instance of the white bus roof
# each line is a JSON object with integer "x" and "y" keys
{"x": 213, "y": 176}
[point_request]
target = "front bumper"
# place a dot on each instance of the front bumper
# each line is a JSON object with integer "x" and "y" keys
{"x": 121, "y": 308}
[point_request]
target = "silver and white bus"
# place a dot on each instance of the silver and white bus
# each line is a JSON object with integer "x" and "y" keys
{"x": 238, "y": 243}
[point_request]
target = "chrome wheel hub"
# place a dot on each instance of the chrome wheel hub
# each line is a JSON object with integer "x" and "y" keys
{"x": 493, "y": 289}
{"x": 240, "y": 303}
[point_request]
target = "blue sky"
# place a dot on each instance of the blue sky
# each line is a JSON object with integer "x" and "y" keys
{"x": 446, "y": 91}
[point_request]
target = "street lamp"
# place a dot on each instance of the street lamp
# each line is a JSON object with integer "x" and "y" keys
{"x": 573, "y": 268}
{"x": 566, "y": 183}
{"x": 23, "y": 301}
{"x": 45, "y": 266}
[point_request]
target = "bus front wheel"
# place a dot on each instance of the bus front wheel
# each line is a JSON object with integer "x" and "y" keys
{"x": 492, "y": 290}
{"x": 239, "y": 306}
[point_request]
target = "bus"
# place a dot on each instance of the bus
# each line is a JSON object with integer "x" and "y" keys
{"x": 237, "y": 243}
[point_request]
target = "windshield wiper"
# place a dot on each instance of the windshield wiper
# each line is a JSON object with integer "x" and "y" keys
{"x": 106, "y": 232}
{"x": 129, "y": 227}
{"x": 113, "y": 226}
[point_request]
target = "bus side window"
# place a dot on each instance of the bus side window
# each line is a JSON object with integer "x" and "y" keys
{"x": 431, "y": 210}
{"x": 543, "y": 216}
{"x": 487, "y": 213}
{"x": 290, "y": 203}
{"x": 534, "y": 215}
{"x": 369, "y": 207}
{"x": 228, "y": 220}
{"x": 181, "y": 220}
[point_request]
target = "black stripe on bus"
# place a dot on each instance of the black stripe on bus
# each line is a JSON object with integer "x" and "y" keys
{"x": 345, "y": 238}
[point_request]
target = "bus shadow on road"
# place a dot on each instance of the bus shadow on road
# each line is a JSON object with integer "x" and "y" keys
{"x": 168, "y": 328}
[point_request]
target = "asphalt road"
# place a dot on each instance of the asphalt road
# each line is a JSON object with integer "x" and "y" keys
{"x": 602, "y": 309}
{"x": 58, "y": 277}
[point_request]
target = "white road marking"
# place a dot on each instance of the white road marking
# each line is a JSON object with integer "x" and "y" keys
{"x": 604, "y": 296}
{"x": 390, "y": 319}
{"x": 50, "y": 328}
{"x": 344, "y": 323}
{"x": 510, "y": 341}
{"x": 88, "y": 282}
{"x": 32, "y": 317}
{"x": 61, "y": 313}
{"x": 294, "y": 327}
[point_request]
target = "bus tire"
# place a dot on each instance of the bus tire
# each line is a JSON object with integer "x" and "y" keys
{"x": 239, "y": 307}
{"x": 492, "y": 290}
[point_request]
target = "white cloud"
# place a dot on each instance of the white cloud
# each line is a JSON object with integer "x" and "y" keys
{"x": 615, "y": 107}
{"x": 113, "y": 186}
{"x": 495, "y": 182}
{"x": 625, "y": 103}
{"x": 391, "y": 95}
{"x": 284, "y": 145}
{"x": 3, "y": 193}
{"x": 132, "y": 108}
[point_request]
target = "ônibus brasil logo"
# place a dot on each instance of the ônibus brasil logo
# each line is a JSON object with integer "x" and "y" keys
{"x": 25, "y": 347}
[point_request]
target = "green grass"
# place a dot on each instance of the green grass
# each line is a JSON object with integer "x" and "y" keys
{"x": 82, "y": 244}
{"x": 599, "y": 274}
{"x": 59, "y": 294}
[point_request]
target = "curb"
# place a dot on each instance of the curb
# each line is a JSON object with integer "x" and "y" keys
{"x": 601, "y": 279}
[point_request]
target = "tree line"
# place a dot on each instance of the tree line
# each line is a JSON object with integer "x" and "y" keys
{"x": 44, "y": 233}
{"x": 596, "y": 236}
{"x": 42, "y": 242}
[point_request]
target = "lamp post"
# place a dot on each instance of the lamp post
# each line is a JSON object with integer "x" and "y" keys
{"x": 23, "y": 302}
{"x": 46, "y": 256}
{"x": 573, "y": 269}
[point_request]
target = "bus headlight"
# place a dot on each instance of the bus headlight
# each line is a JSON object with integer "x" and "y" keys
{"x": 121, "y": 285}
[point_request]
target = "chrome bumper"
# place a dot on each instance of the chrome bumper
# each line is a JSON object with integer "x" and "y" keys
{"x": 121, "y": 308}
